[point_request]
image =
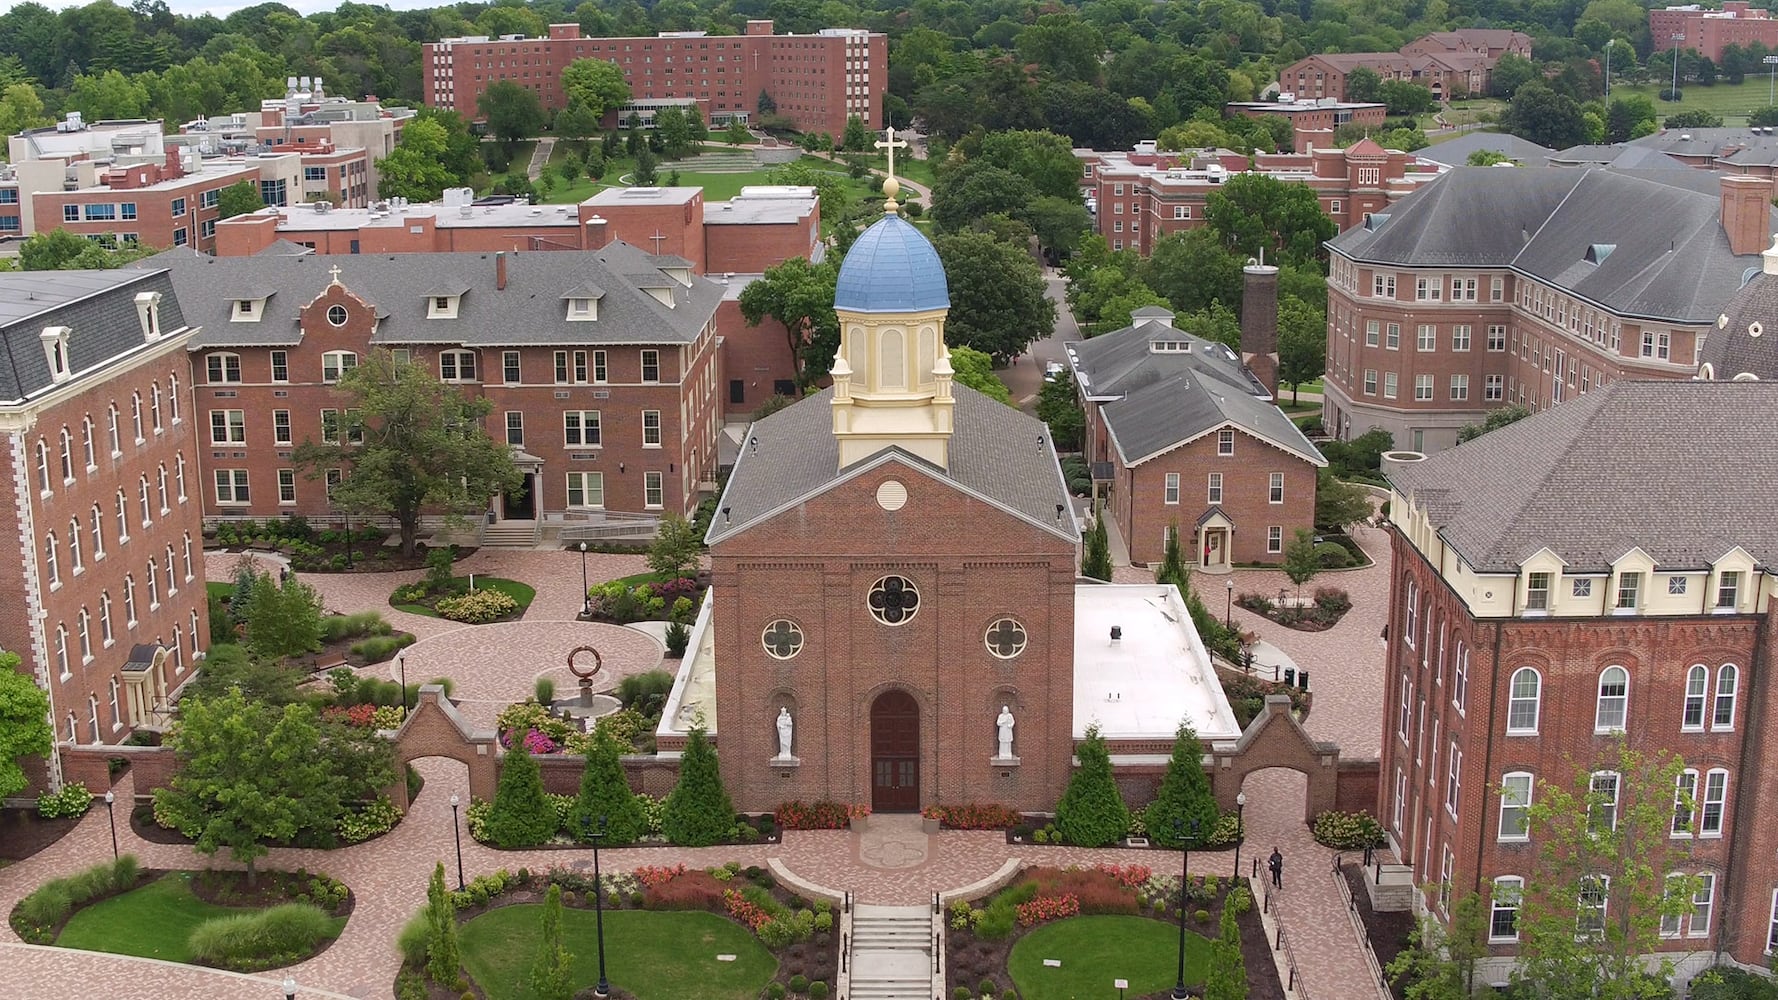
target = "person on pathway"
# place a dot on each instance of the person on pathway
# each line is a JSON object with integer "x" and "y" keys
{"x": 1276, "y": 864}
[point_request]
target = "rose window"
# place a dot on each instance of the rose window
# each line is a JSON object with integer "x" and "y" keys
{"x": 893, "y": 600}
{"x": 1006, "y": 638}
{"x": 782, "y": 639}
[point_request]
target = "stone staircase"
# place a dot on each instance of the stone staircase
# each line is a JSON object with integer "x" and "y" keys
{"x": 891, "y": 952}
{"x": 1389, "y": 886}
{"x": 510, "y": 535}
{"x": 731, "y": 162}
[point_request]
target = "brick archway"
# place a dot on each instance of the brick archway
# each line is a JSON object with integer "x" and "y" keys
{"x": 1276, "y": 739}
{"x": 436, "y": 729}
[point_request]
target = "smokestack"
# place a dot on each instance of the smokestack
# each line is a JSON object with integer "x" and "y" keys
{"x": 500, "y": 278}
{"x": 596, "y": 234}
{"x": 1259, "y": 323}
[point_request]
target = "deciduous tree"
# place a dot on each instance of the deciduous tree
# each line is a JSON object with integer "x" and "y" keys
{"x": 512, "y": 111}
{"x": 1302, "y": 343}
{"x": 1337, "y": 503}
{"x": 415, "y": 168}
{"x": 675, "y": 549}
{"x": 998, "y": 301}
{"x": 283, "y": 620}
{"x": 799, "y": 295}
{"x": 24, "y": 723}
{"x": 239, "y": 198}
{"x": 1058, "y": 408}
{"x": 596, "y": 84}
{"x": 975, "y": 369}
{"x": 1300, "y": 564}
{"x": 1256, "y": 214}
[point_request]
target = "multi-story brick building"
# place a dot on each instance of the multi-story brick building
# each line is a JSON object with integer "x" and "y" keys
{"x": 1537, "y": 616}
{"x": 602, "y": 368}
{"x": 1141, "y": 196}
{"x": 1312, "y": 122}
{"x": 1183, "y": 433}
{"x": 1531, "y": 286}
{"x": 1449, "y": 63}
{"x": 1708, "y": 31}
{"x": 108, "y": 609}
{"x": 817, "y": 81}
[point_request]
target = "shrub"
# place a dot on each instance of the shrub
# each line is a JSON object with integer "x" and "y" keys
{"x": 521, "y": 816}
{"x": 72, "y": 800}
{"x": 1333, "y": 600}
{"x": 1201, "y": 916}
{"x": 974, "y": 816}
{"x": 678, "y": 637}
{"x": 799, "y": 983}
{"x": 645, "y": 693}
{"x": 817, "y": 990}
{"x": 699, "y": 812}
{"x": 544, "y": 690}
{"x": 379, "y": 648}
{"x": 605, "y": 796}
{"x": 39, "y": 913}
{"x": 824, "y": 921}
{"x": 1092, "y": 812}
{"x": 411, "y": 942}
{"x": 689, "y": 890}
{"x": 356, "y": 826}
{"x": 817, "y": 815}
{"x": 988, "y": 987}
{"x": 962, "y": 993}
{"x": 777, "y": 934}
{"x": 337, "y": 627}
{"x": 775, "y": 991}
{"x": 409, "y": 986}
{"x": 1347, "y": 830}
{"x": 1184, "y": 799}
{"x": 476, "y": 607}
{"x": 268, "y": 938}
{"x": 1332, "y": 555}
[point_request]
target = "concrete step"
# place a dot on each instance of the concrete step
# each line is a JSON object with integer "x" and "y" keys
{"x": 892, "y": 989}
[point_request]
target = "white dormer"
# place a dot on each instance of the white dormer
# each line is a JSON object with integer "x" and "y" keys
{"x": 55, "y": 352}
{"x": 1630, "y": 576}
{"x": 1734, "y": 583}
{"x": 680, "y": 273}
{"x": 1539, "y": 577}
{"x": 662, "y": 294}
{"x": 444, "y": 301}
{"x": 1169, "y": 347}
{"x": 148, "y": 313}
{"x": 249, "y": 308}
{"x": 583, "y": 303}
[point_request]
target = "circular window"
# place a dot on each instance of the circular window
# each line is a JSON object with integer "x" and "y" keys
{"x": 336, "y": 315}
{"x": 892, "y": 495}
{"x": 1005, "y": 638}
{"x": 782, "y": 639}
{"x": 894, "y": 600}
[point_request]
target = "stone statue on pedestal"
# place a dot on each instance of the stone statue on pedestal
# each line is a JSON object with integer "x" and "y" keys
{"x": 785, "y": 726}
{"x": 1004, "y": 724}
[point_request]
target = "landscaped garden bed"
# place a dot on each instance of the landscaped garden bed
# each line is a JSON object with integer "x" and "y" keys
{"x": 1329, "y": 605}
{"x": 24, "y": 832}
{"x": 321, "y": 550}
{"x": 304, "y": 638}
{"x": 472, "y": 600}
{"x": 1247, "y": 696}
{"x": 213, "y": 918}
{"x": 1389, "y": 933}
{"x": 646, "y": 597}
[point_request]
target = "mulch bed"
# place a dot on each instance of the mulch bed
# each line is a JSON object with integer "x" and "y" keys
{"x": 142, "y": 822}
{"x": 367, "y": 556}
{"x": 24, "y": 833}
{"x": 1388, "y": 931}
{"x": 226, "y": 887}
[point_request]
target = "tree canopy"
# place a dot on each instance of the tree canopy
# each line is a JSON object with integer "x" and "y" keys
{"x": 513, "y": 111}
{"x": 24, "y": 723}
{"x": 597, "y": 85}
{"x": 799, "y": 295}
{"x": 998, "y": 305}
{"x": 975, "y": 369}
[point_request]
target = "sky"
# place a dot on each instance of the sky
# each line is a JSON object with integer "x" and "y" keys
{"x": 224, "y": 8}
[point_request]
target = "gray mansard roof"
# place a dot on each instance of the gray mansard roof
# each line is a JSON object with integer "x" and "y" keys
{"x": 1669, "y": 258}
{"x": 529, "y": 311}
{"x": 97, "y": 307}
{"x": 1653, "y": 464}
{"x": 792, "y": 456}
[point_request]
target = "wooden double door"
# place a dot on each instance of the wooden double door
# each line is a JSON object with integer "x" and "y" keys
{"x": 895, "y": 753}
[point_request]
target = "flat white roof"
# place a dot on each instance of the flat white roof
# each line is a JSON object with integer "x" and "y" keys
{"x": 644, "y": 196}
{"x": 1155, "y": 676}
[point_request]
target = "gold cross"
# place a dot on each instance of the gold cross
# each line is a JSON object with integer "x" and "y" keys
{"x": 891, "y": 144}
{"x": 891, "y": 186}
{"x": 334, "y": 273}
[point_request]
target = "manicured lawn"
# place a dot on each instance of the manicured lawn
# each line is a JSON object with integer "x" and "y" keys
{"x": 1734, "y": 102}
{"x": 222, "y": 590}
{"x": 637, "y": 579}
{"x": 653, "y": 955}
{"x": 1094, "y": 951}
{"x": 151, "y": 922}
{"x": 523, "y": 593}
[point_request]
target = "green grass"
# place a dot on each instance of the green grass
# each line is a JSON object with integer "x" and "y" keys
{"x": 222, "y": 590}
{"x": 523, "y": 593}
{"x": 154, "y": 921}
{"x": 635, "y": 580}
{"x": 653, "y": 955}
{"x": 1733, "y": 102}
{"x": 717, "y": 186}
{"x": 1096, "y": 950}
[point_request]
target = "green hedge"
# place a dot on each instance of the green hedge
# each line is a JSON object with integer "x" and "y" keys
{"x": 37, "y": 916}
{"x": 267, "y": 939}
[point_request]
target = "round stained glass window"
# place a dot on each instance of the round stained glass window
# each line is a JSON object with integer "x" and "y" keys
{"x": 894, "y": 600}
{"x": 1005, "y": 638}
{"x": 336, "y": 315}
{"x": 782, "y": 639}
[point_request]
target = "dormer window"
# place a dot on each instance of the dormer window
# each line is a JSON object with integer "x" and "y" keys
{"x": 246, "y": 311}
{"x": 661, "y": 294}
{"x": 148, "y": 312}
{"x": 55, "y": 352}
{"x": 1169, "y": 347}
{"x": 443, "y": 304}
{"x": 583, "y": 309}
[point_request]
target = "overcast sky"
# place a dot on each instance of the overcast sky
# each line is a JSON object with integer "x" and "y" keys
{"x": 222, "y": 8}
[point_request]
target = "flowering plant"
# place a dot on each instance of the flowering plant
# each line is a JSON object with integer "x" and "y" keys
{"x": 1128, "y": 876}
{"x": 818, "y": 815}
{"x": 1048, "y": 908}
{"x": 655, "y": 876}
{"x": 975, "y": 816}
{"x": 476, "y": 607}
{"x": 358, "y": 716}
{"x": 744, "y": 911}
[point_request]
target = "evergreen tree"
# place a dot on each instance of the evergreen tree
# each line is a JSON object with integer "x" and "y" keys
{"x": 1227, "y": 978}
{"x": 605, "y": 795}
{"x": 1173, "y": 569}
{"x": 444, "y": 960}
{"x": 1092, "y": 813}
{"x": 698, "y": 812}
{"x": 550, "y": 973}
{"x": 521, "y": 816}
{"x": 283, "y": 620}
{"x": 1096, "y": 563}
{"x": 242, "y": 595}
{"x": 1184, "y": 795}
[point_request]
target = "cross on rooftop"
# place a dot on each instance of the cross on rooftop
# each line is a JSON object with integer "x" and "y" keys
{"x": 657, "y": 238}
{"x": 891, "y": 186}
{"x": 334, "y": 273}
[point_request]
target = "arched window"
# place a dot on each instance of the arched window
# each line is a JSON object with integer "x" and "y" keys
{"x": 43, "y": 465}
{"x": 123, "y": 518}
{"x": 1614, "y": 700}
{"x": 111, "y": 429}
{"x": 98, "y": 533}
{"x": 1460, "y": 678}
{"x": 1722, "y": 717}
{"x": 105, "y": 632}
{"x": 1697, "y": 691}
{"x": 83, "y": 629}
{"x": 154, "y": 405}
{"x": 173, "y": 396}
{"x": 1524, "y": 697}
{"x": 67, "y": 456}
{"x": 1439, "y": 676}
{"x": 86, "y": 443}
{"x": 136, "y": 415}
{"x": 74, "y": 556}
{"x": 129, "y": 601}
{"x": 1413, "y": 614}
{"x": 162, "y": 490}
{"x": 52, "y": 564}
{"x": 62, "y": 649}
{"x": 892, "y": 367}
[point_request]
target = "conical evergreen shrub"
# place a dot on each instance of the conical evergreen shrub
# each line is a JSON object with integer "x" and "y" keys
{"x": 605, "y": 792}
{"x": 1184, "y": 795}
{"x": 521, "y": 816}
{"x": 1092, "y": 813}
{"x": 698, "y": 812}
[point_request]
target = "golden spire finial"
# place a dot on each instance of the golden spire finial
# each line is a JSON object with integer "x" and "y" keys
{"x": 891, "y": 186}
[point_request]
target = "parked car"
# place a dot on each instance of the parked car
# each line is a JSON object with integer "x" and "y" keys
{"x": 1054, "y": 370}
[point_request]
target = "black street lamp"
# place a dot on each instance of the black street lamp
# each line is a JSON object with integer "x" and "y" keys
{"x": 457, "y": 835}
{"x": 289, "y": 988}
{"x": 1240, "y": 828}
{"x": 348, "y": 539}
{"x": 1228, "y": 605}
{"x": 586, "y": 602}
{"x": 604, "y": 987}
{"x": 401, "y": 666}
{"x": 1185, "y": 853}
{"x": 110, "y": 800}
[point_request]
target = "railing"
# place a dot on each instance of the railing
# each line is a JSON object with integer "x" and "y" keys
{"x": 1364, "y": 938}
{"x": 1294, "y": 977}
{"x": 1398, "y": 874}
{"x": 591, "y": 525}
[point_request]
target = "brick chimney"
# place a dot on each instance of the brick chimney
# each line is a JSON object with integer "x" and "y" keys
{"x": 1746, "y": 209}
{"x": 1259, "y": 323}
{"x": 500, "y": 271}
{"x": 597, "y": 233}
{"x": 175, "y": 167}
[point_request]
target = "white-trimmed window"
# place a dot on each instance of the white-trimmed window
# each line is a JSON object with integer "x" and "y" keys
{"x": 142, "y": 501}
{"x": 129, "y": 601}
{"x": 43, "y": 481}
{"x": 1460, "y": 387}
{"x": 599, "y": 368}
{"x": 67, "y": 456}
{"x": 1685, "y": 802}
{"x": 456, "y": 366}
{"x": 1503, "y": 918}
{"x": 1389, "y": 385}
{"x": 1703, "y": 901}
{"x": 1171, "y": 492}
{"x": 337, "y": 363}
{"x": 1614, "y": 700}
{"x": 1275, "y": 488}
{"x": 281, "y": 427}
{"x": 1407, "y": 710}
{"x": 1426, "y": 337}
{"x": 154, "y": 406}
{"x": 179, "y": 474}
{"x": 1411, "y": 613}
{"x": 231, "y": 487}
{"x": 286, "y": 486}
{"x": 1225, "y": 442}
{"x": 570, "y": 367}
{"x": 1493, "y": 388}
{"x": 509, "y": 367}
{"x": 1524, "y": 702}
{"x": 111, "y": 427}
{"x": 581, "y": 428}
{"x": 86, "y": 444}
{"x": 1460, "y": 678}
{"x": 1595, "y": 894}
{"x": 1629, "y": 590}
{"x": 98, "y": 520}
{"x": 1401, "y": 800}
{"x": 280, "y": 366}
{"x": 62, "y": 662}
{"x": 1392, "y": 336}
{"x": 515, "y": 427}
{"x": 154, "y": 586}
{"x": 1382, "y": 286}
{"x": 1446, "y": 867}
{"x": 1697, "y": 691}
{"x": 1215, "y": 487}
{"x": 52, "y": 562}
{"x": 1728, "y": 589}
{"x": 1602, "y": 800}
{"x": 1714, "y": 805}
{"x": 1454, "y": 780}
{"x": 123, "y": 518}
{"x": 223, "y": 368}
{"x": 1722, "y": 715}
{"x": 653, "y": 491}
{"x": 1275, "y": 538}
{"x": 83, "y": 630}
{"x": 586, "y": 489}
{"x": 185, "y": 556}
{"x": 228, "y": 426}
{"x": 105, "y": 633}
{"x": 1422, "y": 387}
{"x": 651, "y": 428}
{"x": 1370, "y": 381}
{"x": 1515, "y": 805}
{"x": 1772, "y": 926}
{"x": 1373, "y": 332}
{"x": 651, "y": 366}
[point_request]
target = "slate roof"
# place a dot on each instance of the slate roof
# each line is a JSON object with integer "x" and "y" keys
{"x": 99, "y": 309}
{"x": 1154, "y": 402}
{"x": 1646, "y": 463}
{"x": 1672, "y": 261}
{"x": 283, "y": 248}
{"x": 1732, "y": 347}
{"x": 891, "y": 268}
{"x": 529, "y": 311}
{"x": 995, "y": 451}
{"x": 1455, "y": 152}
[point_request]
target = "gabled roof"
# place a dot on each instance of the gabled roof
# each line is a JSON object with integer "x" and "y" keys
{"x": 528, "y": 311}
{"x": 1154, "y": 402}
{"x": 792, "y": 456}
{"x": 1655, "y": 464}
{"x": 1456, "y": 151}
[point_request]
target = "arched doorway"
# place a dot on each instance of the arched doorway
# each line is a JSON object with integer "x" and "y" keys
{"x": 895, "y": 752}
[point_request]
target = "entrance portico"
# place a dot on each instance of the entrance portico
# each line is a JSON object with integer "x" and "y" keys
{"x": 1214, "y": 541}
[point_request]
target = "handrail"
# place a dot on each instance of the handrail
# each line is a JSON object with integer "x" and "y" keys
{"x": 1364, "y": 938}
{"x": 1295, "y": 984}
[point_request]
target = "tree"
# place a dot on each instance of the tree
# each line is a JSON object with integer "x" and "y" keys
{"x": 444, "y": 959}
{"x": 551, "y": 972}
{"x": 1060, "y": 410}
{"x": 737, "y": 133}
{"x": 605, "y": 801}
{"x": 978, "y": 189}
{"x": 1440, "y": 964}
{"x": 1059, "y": 223}
{"x": 799, "y": 295}
{"x": 1486, "y": 158}
{"x": 248, "y": 773}
{"x": 283, "y": 620}
{"x": 1184, "y": 796}
{"x": 1623, "y": 114}
{"x": 674, "y": 130}
{"x": 646, "y": 164}
{"x": 1363, "y": 84}
{"x": 521, "y": 816}
{"x": 1044, "y": 158}
{"x": 1227, "y": 977}
{"x": 20, "y": 109}
{"x": 856, "y": 138}
{"x": 998, "y": 300}
{"x": 227, "y": 666}
{"x": 1096, "y": 560}
{"x": 1173, "y": 569}
{"x": 1255, "y": 214}
{"x": 1545, "y": 117}
{"x": 1605, "y": 867}
{"x": 61, "y": 250}
{"x": 1092, "y": 812}
{"x": 512, "y": 111}
{"x": 24, "y": 723}
{"x": 239, "y": 198}
{"x": 675, "y": 549}
{"x": 1302, "y": 343}
{"x": 1493, "y": 422}
{"x": 1404, "y": 98}
{"x": 1767, "y": 115}
{"x": 597, "y": 85}
{"x": 1300, "y": 563}
{"x": 576, "y": 121}
{"x": 415, "y": 444}
{"x": 1191, "y": 269}
{"x": 1694, "y": 118}
{"x": 415, "y": 168}
{"x": 1064, "y": 45}
{"x": 1337, "y": 503}
{"x": 1510, "y": 73}
{"x": 698, "y": 812}
{"x": 972, "y": 368}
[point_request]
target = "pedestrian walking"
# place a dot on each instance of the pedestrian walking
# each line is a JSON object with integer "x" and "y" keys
{"x": 1276, "y": 864}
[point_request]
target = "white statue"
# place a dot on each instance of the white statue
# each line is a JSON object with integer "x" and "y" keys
{"x": 784, "y": 729}
{"x": 1005, "y": 723}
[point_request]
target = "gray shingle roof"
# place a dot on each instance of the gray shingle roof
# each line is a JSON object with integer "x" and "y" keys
{"x": 1672, "y": 260}
{"x": 995, "y": 451}
{"x": 1456, "y": 151}
{"x": 97, "y": 307}
{"x": 1654, "y": 464}
{"x": 1732, "y": 347}
{"x": 1153, "y": 402}
{"x": 529, "y": 311}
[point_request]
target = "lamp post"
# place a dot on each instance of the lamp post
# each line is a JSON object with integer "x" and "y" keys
{"x": 1678, "y": 37}
{"x": 604, "y": 987}
{"x": 586, "y": 603}
{"x": 1228, "y": 605}
{"x": 457, "y": 835}
{"x": 401, "y": 668}
{"x": 1772, "y": 77}
{"x": 1185, "y": 853}
{"x": 1240, "y": 828}
{"x": 289, "y": 988}
{"x": 1608, "y": 43}
{"x": 110, "y": 800}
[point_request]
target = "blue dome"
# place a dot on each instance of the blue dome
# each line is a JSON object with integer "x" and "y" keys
{"x": 892, "y": 268}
